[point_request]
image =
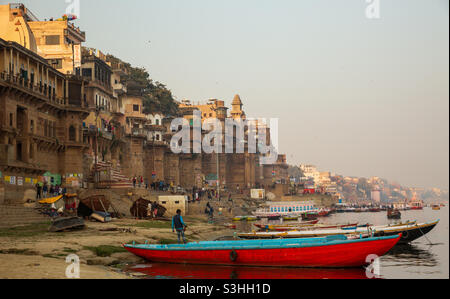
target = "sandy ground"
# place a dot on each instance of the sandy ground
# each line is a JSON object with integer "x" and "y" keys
{"x": 41, "y": 254}
{"x": 37, "y": 267}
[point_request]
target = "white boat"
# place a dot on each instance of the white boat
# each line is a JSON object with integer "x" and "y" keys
{"x": 286, "y": 208}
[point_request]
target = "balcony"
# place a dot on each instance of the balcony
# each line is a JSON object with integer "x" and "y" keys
{"x": 26, "y": 85}
{"x": 155, "y": 128}
{"x": 120, "y": 88}
{"x": 138, "y": 132}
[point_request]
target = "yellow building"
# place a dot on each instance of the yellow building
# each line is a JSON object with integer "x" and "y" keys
{"x": 236, "y": 110}
{"x": 208, "y": 110}
{"x": 14, "y": 26}
{"x": 59, "y": 41}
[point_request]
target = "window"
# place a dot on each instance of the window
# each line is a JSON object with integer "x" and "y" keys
{"x": 32, "y": 126}
{"x": 31, "y": 151}
{"x": 72, "y": 133}
{"x": 11, "y": 117}
{"x": 87, "y": 73}
{"x": 136, "y": 108}
{"x": 157, "y": 122}
{"x": 52, "y": 40}
{"x": 56, "y": 63}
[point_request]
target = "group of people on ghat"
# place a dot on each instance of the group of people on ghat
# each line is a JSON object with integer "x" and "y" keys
{"x": 43, "y": 190}
{"x": 158, "y": 185}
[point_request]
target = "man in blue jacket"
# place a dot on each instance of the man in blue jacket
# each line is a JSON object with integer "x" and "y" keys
{"x": 179, "y": 225}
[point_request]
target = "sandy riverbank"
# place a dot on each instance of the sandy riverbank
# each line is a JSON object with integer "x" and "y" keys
{"x": 31, "y": 252}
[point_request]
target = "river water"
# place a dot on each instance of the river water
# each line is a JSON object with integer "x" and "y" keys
{"x": 425, "y": 258}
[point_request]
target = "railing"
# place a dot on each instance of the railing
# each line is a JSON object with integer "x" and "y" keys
{"x": 138, "y": 132}
{"x": 37, "y": 89}
{"x": 155, "y": 127}
{"x": 106, "y": 135}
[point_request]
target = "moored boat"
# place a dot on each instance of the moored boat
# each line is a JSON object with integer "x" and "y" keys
{"x": 324, "y": 213}
{"x": 409, "y": 232}
{"x": 297, "y": 227}
{"x": 436, "y": 207}
{"x": 285, "y": 208}
{"x": 331, "y": 251}
{"x": 394, "y": 214}
{"x": 310, "y": 216}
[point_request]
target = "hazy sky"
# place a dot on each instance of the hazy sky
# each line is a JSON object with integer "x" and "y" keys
{"x": 355, "y": 96}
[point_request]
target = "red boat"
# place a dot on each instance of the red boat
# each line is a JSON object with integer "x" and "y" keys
{"x": 325, "y": 252}
{"x": 324, "y": 213}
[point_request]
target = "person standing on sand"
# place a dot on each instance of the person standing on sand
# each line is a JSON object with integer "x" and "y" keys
{"x": 38, "y": 191}
{"x": 179, "y": 226}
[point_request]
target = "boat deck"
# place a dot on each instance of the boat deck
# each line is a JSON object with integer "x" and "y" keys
{"x": 252, "y": 244}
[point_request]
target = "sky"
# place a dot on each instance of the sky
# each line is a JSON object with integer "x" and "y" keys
{"x": 354, "y": 96}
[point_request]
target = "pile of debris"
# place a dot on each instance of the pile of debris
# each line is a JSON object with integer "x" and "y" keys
{"x": 97, "y": 207}
{"x": 146, "y": 209}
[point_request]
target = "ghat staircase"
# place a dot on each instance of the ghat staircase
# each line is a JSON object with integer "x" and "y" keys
{"x": 110, "y": 177}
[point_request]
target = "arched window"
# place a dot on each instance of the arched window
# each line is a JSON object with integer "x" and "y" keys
{"x": 72, "y": 133}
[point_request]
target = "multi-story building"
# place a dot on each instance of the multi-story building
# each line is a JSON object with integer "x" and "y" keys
{"x": 310, "y": 172}
{"x": 59, "y": 42}
{"x": 41, "y": 111}
{"x": 236, "y": 170}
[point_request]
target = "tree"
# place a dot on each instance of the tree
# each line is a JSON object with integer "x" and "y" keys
{"x": 156, "y": 96}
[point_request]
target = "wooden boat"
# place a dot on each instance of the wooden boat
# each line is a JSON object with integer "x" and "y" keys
{"x": 393, "y": 214}
{"x": 303, "y": 233}
{"x": 288, "y": 218}
{"x": 97, "y": 203}
{"x": 101, "y": 217}
{"x": 436, "y": 207}
{"x": 229, "y": 225}
{"x": 274, "y": 226}
{"x": 324, "y": 213}
{"x": 67, "y": 223}
{"x": 310, "y": 216}
{"x": 239, "y": 218}
{"x": 409, "y": 232}
{"x": 326, "y": 252}
{"x": 296, "y": 227}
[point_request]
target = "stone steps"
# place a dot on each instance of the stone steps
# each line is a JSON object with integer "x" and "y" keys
{"x": 15, "y": 215}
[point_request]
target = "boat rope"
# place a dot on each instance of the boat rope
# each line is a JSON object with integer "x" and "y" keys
{"x": 429, "y": 242}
